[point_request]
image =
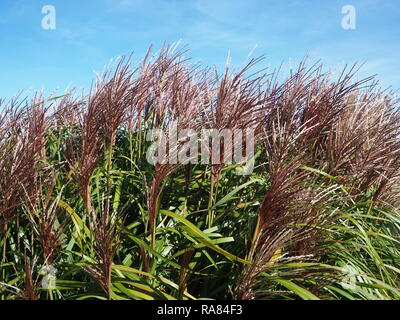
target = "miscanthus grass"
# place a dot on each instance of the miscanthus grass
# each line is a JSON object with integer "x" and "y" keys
{"x": 84, "y": 215}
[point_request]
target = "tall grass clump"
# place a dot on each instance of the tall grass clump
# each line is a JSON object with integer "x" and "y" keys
{"x": 84, "y": 214}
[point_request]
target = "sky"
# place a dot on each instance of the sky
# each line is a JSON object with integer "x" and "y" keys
{"x": 89, "y": 33}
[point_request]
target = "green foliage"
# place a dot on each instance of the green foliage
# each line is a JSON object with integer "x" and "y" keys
{"x": 316, "y": 219}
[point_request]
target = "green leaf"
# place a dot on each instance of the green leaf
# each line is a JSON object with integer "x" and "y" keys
{"x": 301, "y": 292}
{"x": 201, "y": 236}
{"x": 231, "y": 194}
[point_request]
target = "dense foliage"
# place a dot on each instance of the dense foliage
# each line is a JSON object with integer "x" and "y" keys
{"x": 316, "y": 219}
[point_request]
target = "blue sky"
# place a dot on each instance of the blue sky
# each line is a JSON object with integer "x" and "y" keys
{"x": 91, "y": 32}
